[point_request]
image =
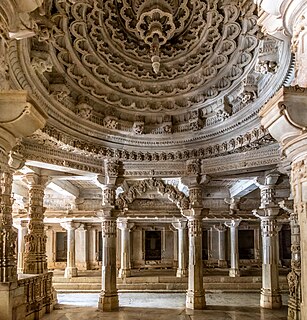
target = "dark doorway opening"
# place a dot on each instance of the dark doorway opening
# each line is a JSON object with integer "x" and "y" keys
{"x": 61, "y": 247}
{"x": 246, "y": 244}
{"x": 285, "y": 246}
{"x": 205, "y": 245}
{"x": 152, "y": 245}
{"x": 100, "y": 246}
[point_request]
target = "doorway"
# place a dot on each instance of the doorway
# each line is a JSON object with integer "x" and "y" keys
{"x": 152, "y": 245}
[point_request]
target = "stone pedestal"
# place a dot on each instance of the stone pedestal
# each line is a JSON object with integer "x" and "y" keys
{"x": 125, "y": 261}
{"x": 108, "y": 299}
{"x": 222, "y": 263}
{"x": 195, "y": 298}
{"x": 71, "y": 269}
{"x": 182, "y": 270}
{"x": 234, "y": 270}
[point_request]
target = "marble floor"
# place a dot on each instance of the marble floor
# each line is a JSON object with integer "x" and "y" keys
{"x": 166, "y": 306}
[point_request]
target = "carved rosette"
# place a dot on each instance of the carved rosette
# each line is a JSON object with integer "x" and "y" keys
{"x": 35, "y": 247}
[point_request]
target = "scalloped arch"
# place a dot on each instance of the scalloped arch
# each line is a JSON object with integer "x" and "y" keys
{"x": 173, "y": 194}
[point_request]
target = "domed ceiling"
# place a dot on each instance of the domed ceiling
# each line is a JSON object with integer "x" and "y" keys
{"x": 150, "y": 74}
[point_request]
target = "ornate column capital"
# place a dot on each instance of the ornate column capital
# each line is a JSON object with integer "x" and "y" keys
{"x": 220, "y": 227}
{"x": 180, "y": 224}
{"x": 123, "y": 224}
{"x": 33, "y": 179}
{"x": 234, "y": 223}
{"x": 70, "y": 225}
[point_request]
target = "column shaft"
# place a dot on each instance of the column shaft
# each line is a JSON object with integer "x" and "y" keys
{"x": 234, "y": 270}
{"x": 195, "y": 295}
{"x": 222, "y": 263}
{"x": 294, "y": 277}
{"x": 108, "y": 299}
{"x": 22, "y": 231}
{"x": 270, "y": 293}
{"x": 71, "y": 269}
{"x": 8, "y": 268}
{"x": 125, "y": 262}
{"x": 35, "y": 254}
{"x": 181, "y": 227}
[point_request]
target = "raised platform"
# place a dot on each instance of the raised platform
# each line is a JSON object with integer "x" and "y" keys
{"x": 166, "y": 281}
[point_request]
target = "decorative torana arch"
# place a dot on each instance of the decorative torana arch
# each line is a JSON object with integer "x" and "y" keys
{"x": 173, "y": 194}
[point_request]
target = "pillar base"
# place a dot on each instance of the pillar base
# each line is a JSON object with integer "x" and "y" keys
{"x": 269, "y": 300}
{"x": 181, "y": 273}
{"x": 71, "y": 272}
{"x": 195, "y": 301}
{"x": 234, "y": 273}
{"x": 222, "y": 263}
{"x": 124, "y": 273}
{"x": 294, "y": 312}
{"x": 33, "y": 266}
{"x": 108, "y": 302}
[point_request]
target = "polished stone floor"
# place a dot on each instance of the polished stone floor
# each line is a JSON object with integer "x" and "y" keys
{"x": 170, "y": 306}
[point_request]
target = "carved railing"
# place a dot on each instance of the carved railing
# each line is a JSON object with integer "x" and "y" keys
{"x": 38, "y": 294}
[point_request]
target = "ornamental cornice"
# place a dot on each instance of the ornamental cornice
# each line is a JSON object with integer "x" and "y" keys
{"x": 54, "y": 138}
{"x": 262, "y": 157}
{"x": 54, "y": 156}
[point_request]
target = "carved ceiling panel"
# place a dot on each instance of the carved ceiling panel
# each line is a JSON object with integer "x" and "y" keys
{"x": 114, "y": 46}
{"x": 158, "y": 75}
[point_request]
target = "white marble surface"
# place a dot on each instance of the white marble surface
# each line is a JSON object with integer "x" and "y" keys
{"x": 156, "y": 306}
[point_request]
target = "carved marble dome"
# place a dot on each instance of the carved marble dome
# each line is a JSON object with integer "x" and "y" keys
{"x": 117, "y": 76}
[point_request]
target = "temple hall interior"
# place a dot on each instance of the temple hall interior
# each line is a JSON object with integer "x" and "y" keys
{"x": 152, "y": 159}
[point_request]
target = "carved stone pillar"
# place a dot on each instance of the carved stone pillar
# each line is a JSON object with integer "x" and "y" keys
{"x": 92, "y": 247}
{"x": 181, "y": 227}
{"x": 221, "y": 229}
{"x": 71, "y": 269}
{"x": 294, "y": 277}
{"x": 82, "y": 247}
{"x": 35, "y": 254}
{"x": 18, "y": 119}
{"x": 195, "y": 295}
{"x": 195, "y": 298}
{"x": 234, "y": 270}
{"x": 22, "y": 231}
{"x": 285, "y": 117}
{"x": 8, "y": 271}
{"x": 108, "y": 299}
{"x": 125, "y": 259}
{"x": 270, "y": 293}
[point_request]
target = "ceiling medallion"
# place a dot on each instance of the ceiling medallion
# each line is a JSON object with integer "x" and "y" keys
{"x": 155, "y": 22}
